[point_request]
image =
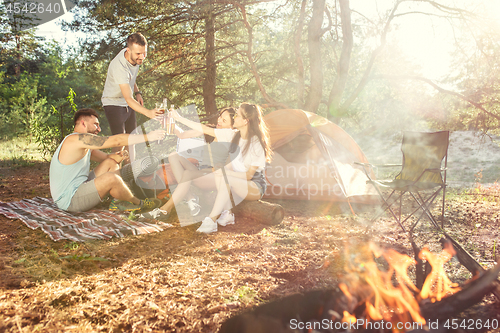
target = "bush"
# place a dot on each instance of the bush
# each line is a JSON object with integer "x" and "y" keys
{"x": 49, "y": 129}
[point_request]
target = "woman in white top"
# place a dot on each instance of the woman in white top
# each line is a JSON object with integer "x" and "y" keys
{"x": 187, "y": 173}
{"x": 183, "y": 170}
{"x": 250, "y": 150}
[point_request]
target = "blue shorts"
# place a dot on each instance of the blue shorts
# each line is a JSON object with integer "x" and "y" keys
{"x": 259, "y": 180}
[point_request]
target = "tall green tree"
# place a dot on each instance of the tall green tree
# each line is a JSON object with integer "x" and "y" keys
{"x": 34, "y": 88}
{"x": 320, "y": 55}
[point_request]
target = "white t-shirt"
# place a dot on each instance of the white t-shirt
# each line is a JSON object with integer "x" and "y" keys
{"x": 255, "y": 156}
{"x": 120, "y": 71}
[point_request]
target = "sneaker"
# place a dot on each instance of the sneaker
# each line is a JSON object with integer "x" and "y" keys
{"x": 155, "y": 214}
{"x": 150, "y": 204}
{"x": 194, "y": 207}
{"x": 124, "y": 206}
{"x": 226, "y": 218}
{"x": 194, "y": 198}
{"x": 113, "y": 205}
{"x": 207, "y": 226}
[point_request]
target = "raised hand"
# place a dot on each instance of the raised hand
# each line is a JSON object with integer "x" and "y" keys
{"x": 156, "y": 135}
{"x": 174, "y": 114}
{"x": 153, "y": 113}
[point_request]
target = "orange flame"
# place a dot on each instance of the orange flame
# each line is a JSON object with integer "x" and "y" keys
{"x": 395, "y": 302}
{"x": 348, "y": 318}
{"x": 437, "y": 285}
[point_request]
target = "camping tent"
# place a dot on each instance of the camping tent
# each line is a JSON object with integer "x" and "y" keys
{"x": 313, "y": 159}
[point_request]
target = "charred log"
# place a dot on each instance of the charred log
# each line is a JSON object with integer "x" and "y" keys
{"x": 469, "y": 262}
{"x": 279, "y": 316}
{"x": 420, "y": 274}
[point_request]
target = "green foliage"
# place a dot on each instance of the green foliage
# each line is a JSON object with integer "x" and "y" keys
{"x": 176, "y": 66}
{"x": 72, "y": 246}
{"x": 245, "y": 295}
{"x": 49, "y": 129}
{"x": 40, "y": 88}
{"x": 20, "y": 102}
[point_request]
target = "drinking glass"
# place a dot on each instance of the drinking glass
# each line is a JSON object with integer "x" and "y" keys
{"x": 170, "y": 122}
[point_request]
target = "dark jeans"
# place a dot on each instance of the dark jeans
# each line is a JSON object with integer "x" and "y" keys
{"x": 121, "y": 119}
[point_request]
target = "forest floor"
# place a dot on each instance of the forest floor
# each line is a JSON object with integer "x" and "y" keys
{"x": 181, "y": 281}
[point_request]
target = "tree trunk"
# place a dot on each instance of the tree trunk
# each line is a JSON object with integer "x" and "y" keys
{"x": 298, "y": 55}
{"x": 211, "y": 68}
{"x": 343, "y": 65}
{"x": 18, "y": 56}
{"x": 366, "y": 75}
{"x": 316, "y": 66}
{"x": 251, "y": 61}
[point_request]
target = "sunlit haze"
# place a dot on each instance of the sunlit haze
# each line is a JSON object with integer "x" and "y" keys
{"x": 52, "y": 31}
{"x": 427, "y": 41}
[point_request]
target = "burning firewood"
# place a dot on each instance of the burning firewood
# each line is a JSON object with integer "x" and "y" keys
{"x": 371, "y": 300}
{"x": 471, "y": 294}
{"x": 466, "y": 259}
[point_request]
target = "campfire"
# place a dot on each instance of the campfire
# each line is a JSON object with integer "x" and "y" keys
{"x": 375, "y": 295}
{"x": 389, "y": 297}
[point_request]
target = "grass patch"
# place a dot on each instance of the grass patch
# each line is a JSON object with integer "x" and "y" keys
{"x": 19, "y": 151}
{"x": 491, "y": 174}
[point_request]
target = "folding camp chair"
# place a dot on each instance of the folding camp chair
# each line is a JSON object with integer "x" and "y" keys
{"x": 422, "y": 176}
{"x": 422, "y": 171}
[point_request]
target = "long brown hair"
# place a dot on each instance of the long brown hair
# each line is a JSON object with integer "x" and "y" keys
{"x": 257, "y": 127}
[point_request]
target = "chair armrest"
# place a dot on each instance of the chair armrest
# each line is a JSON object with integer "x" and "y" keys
{"x": 375, "y": 166}
{"x": 364, "y": 165}
{"x": 378, "y": 165}
{"x": 430, "y": 170}
{"x": 436, "y": 169}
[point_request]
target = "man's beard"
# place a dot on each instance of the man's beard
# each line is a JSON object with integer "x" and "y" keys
{"x": 136, "y": 61}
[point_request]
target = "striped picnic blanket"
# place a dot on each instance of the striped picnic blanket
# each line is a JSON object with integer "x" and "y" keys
{"x": 79, "y": 227}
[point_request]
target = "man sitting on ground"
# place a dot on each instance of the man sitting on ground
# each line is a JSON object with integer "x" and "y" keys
{"x": 73, "y": 187}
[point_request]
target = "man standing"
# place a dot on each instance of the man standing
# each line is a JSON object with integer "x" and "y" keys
{"x": 73, "y": 187}
{"x": 120, "y": 87}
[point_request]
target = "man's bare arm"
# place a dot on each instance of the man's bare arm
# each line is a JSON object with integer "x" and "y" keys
{"x": 125, "y": 88}
{"x": 138, "y": 97}
{"x": 91, "y": 141}
{"x": 98, "y": 155}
